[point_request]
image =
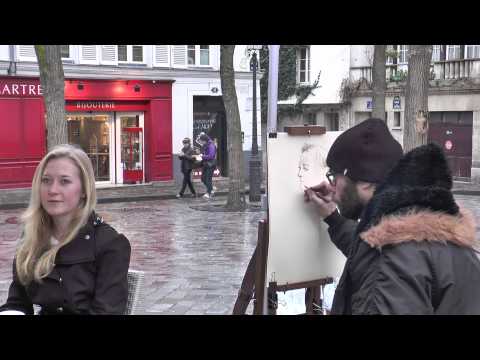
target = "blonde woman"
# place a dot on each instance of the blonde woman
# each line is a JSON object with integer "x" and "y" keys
{"x": 68, "y": 261}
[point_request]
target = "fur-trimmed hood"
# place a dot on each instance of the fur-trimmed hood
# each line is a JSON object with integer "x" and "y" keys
{"x": 416, "y": 203}
{"x": 423, "y": 225}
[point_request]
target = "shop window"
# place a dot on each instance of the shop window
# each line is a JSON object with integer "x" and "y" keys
{"x": 92, "y": 134}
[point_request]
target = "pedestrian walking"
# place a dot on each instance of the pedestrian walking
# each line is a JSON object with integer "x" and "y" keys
{"x": 209, "y": 155}
{"x": 187, "y": 163}
{"x": 69, "y": 261}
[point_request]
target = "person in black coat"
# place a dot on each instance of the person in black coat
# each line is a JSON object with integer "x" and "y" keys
{"x": 187, "y": 162}
{"x": 410, "y": 249}
{"x": 69, "y": 261}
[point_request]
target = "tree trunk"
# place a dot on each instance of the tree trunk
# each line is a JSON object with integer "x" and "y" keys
{"x": 379, "y": 82}
{"x": 236, "y": 186}
{"x": 416, "y": 95}
{"x": 52, "y": 80}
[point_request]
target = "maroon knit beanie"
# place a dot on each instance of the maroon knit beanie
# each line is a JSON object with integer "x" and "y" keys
{"x": 365, "y": 152}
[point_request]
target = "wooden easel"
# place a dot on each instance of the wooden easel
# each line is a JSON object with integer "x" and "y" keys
{"x": 255, "y": 275}
{"x": 261, "y": 255}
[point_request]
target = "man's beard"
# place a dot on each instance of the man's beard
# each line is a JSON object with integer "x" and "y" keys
{"x": 350, "y": 204}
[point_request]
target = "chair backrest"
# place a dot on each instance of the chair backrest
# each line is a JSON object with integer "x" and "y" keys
{"x": 135, "y": 289}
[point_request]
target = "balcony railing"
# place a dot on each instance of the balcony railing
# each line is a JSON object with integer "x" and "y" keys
{"x": 392, "y": 73}
{"x": 361, "y": 72}
{"x": 457, "y": 69}
{"x": 440, "y": 70}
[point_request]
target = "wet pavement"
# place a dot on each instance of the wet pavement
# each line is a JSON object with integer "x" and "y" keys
{"x": 194, "y": 260}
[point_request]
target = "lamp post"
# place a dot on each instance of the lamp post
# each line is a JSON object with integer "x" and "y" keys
{"x": 255, "y": 162}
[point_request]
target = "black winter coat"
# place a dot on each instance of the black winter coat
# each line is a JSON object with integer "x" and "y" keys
{"x": 89, "y": 277}
{"x": 187, "y": 159}
{"x": 413, "y": 250}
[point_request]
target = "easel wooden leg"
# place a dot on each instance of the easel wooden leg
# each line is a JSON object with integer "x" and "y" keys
{"x": 313, "y": 302}
{"x": 261, "y": 268}
{"x": 272, "y": 298}
{"x": 246, "y": 290}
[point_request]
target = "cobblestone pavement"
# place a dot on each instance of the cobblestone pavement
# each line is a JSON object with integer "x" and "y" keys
{"x": 194, "y": 260}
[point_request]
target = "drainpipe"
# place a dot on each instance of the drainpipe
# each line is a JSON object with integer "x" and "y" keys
{"x": 12, "y": 67}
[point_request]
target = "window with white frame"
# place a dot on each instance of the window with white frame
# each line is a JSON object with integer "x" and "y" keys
{"x": 390, "y": 59}
{"x": 65, "y": 51}
{"x": 453, "y": 52}
{"x": 472, "y": 51}
{"x": 402, "y": 54}
{"x": 437, "y": 49}
{"x": 303, "y": 65}
{"x": 198, "y": 55}
{"x": 130, "y": 53}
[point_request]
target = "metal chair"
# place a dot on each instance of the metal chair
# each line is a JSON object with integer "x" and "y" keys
{"x": 135, "y": 289}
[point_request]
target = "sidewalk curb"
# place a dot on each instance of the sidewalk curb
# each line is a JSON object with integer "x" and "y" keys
{"x": 466, "y": 192}
{"x": 111, "y": 200}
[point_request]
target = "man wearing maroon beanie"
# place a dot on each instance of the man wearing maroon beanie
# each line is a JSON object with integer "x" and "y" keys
{"x": 409, "y": 247}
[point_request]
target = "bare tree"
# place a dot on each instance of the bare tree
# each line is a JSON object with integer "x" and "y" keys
{"x": 379, "y": 82}
{"x": 52, "y": 80}
{"x": 416, "y": 96}
{"x": 236, "y": 186}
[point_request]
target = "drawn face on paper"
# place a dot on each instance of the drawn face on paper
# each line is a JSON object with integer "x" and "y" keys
{"x": 311, "y": 166}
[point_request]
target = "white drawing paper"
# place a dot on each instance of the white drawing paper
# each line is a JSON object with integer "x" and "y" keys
{"x": 299, "y": 247}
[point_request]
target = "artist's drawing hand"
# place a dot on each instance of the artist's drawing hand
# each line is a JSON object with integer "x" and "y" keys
{"x": 324, "y": 190}
{"x": 324, "y": 204}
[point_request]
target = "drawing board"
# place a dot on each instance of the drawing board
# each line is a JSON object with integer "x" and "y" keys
{"x": 299, "y": 247}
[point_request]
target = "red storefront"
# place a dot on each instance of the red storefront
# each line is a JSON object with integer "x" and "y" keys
{"x": 125, "y": 126}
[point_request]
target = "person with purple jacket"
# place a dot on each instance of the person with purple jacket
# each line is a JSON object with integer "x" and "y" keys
{"x": 209, "y": 154}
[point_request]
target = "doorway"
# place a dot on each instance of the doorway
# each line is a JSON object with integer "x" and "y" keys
{"x": 209, "y": 117}
{"x": 452, "y": 131}
{"x": 129, "y": 147}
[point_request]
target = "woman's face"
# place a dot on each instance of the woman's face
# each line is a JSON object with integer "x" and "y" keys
{"x": 61, "y": 188}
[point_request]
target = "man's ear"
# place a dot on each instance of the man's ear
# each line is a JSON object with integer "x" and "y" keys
{"x": 366, "y": 190}
{"x": 366, "y": 186}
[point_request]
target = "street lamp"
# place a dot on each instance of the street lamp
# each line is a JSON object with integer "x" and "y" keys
{"x": 255, "y": 163}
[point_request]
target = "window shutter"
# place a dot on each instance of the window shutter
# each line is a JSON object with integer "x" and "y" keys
{"x": 88, "y": 54}
{"x": 162, "y": 55}
{"x": 109, "y": 54}
{"x": 26, "y": 53}
{"x": 179, "y": 56}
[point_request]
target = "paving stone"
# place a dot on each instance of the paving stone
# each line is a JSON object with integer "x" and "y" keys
{"x": 193, "y": 260}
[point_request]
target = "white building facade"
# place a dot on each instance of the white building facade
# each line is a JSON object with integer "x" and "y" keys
{"x": 96, "y": 74}
{"x": 453, "y": 102}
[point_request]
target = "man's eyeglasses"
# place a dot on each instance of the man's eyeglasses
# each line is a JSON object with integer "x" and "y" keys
{"x": 331, "y": 178}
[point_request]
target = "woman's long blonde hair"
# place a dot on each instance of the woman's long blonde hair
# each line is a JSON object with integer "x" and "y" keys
{"x": 35, "y": 257}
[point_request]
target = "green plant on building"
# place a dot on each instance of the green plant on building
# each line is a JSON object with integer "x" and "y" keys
{"x": 287, "y": 82}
